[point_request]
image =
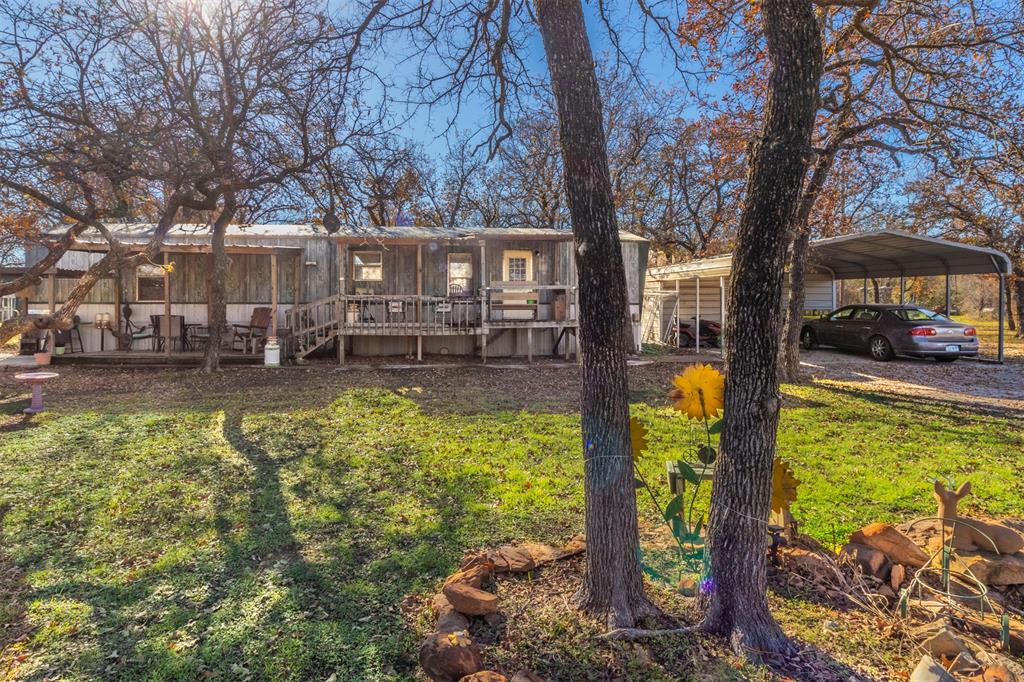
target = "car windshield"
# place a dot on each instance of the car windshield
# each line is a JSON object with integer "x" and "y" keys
{"x": 918, "y": 314}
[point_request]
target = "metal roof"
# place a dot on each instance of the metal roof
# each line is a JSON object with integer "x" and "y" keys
{"x": 894, "y": 253}
{"x": 881, "y": 253}
{"x": 141, "y": 233}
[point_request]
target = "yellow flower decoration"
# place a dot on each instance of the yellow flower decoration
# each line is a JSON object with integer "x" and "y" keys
{"x": 637, "y": 436}
{"x": 169, "y": 267}
{"x": 784, "y": 486}
{"x": 699, "y": 391}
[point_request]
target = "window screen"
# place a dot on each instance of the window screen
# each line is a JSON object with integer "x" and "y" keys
{"x": 460, "y": 274}
{"x": 368, "y": 266}
{"x": 149, "y": 283}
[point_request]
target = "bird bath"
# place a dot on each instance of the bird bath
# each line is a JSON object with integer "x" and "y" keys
{"x": 36, "y": 381}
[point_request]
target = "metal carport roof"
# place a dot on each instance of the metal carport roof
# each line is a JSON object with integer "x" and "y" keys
{"x": 894, "y": 253}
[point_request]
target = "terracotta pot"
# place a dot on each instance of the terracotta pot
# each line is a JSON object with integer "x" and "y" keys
{"x": 42, "y": 358}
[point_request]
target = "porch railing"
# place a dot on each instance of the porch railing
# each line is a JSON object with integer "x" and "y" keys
{"x": 315, "y": 323}
{"x": 399, "y": 313}
{"x": 510, "y": 303}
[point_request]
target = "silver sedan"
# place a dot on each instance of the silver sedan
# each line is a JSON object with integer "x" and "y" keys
{"x": 886, "y": 331}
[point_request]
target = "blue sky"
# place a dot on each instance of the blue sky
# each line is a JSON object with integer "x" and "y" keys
{"x": 425, "y": 126}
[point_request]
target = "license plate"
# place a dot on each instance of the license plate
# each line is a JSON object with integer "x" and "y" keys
{"x": 952, "y": 349}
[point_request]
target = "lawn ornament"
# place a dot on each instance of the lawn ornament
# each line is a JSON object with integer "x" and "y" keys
{"x": 969, "y": 534}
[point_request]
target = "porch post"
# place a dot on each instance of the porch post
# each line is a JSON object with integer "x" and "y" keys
{"x": 51, "y": 306}
{"x": 903, "y": 290}
{"x": 167, "y": 307}
{"x": 1002, "y": 316}
{"x": 484, "y": 315}
{"x": 341, "y": 307}
{"x": 273, "y": 296}
{"x": 949, "y": 307}
{"x": 419, "y": 301}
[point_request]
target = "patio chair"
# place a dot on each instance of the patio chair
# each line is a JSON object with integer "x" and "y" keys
{"x": 33, "y": 341}
{"x": 133, "y": 332}
{"x": 68, "y": 337}
{"x": 177, "y": 330}
{"x": 252, "y": 334}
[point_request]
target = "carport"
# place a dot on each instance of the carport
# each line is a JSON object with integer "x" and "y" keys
{"x": 894, "y": 253}
{"x": 698, "y": 289}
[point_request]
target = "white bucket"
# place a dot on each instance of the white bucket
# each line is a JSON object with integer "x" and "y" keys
{"x": 272, "y": 353}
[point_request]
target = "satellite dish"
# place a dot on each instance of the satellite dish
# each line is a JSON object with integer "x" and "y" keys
{"x": 331, "y": 223}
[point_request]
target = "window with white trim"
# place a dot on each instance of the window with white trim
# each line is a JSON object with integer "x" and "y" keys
{"x": 460, "y": 274}
{"x": 149, "y": 284}
{"x": 518, "y": 266}
{"x": 367, "y": 266}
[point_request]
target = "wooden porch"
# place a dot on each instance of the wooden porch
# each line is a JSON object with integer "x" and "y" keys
{"x": 498, "y": 308}
{"x": 151, "y": 359}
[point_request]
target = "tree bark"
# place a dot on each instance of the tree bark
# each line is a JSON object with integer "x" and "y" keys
{"x": 789, "y": 360}
{"x": 613, "y": 584}
{"x": 216, "y": 307}
{"x": 735, "y": 601}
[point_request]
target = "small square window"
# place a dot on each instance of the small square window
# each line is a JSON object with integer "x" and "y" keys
{"x": 518, "y": 266}
{"x": 367, "y": 266}
{"x": 149, "y": 284}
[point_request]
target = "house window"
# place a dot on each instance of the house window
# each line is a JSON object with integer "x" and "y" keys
{"x": 149, "y": 284}
{"x": 518, "y": 266}
{"x": 460, "y": 274}
{"x": 367, "y": 266}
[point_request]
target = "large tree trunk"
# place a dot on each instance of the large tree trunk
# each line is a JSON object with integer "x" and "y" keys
{"x": 613, "y": 584}
{"x": 736, "y": 605}
{"x": 216, "y": 307}
{"x": 789, "y": 360}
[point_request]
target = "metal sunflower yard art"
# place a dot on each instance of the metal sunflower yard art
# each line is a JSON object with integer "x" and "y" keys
{"x": 699, "y": 394}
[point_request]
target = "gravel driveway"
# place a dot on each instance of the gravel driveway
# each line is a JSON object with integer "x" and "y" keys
{"x": 968, "y": 383}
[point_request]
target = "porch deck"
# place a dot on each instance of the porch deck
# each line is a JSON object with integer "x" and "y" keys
{"x": 151, "y": 358}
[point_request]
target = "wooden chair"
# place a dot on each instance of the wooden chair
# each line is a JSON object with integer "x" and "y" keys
{"x": 252, "y": 334}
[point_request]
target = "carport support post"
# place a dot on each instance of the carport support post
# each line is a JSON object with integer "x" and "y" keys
{"x": 949, "y": 308}
{"x": 865, "y": 289}
{"x": 697, "y": 317}
{"x": 679, "y": 341}
{"x": 1002, "y": 315}
{"x": 903, "y": 290}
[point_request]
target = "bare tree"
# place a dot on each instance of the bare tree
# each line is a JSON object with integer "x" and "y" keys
{"x": 81, "y": 146}
{"x": 255, "y": 84}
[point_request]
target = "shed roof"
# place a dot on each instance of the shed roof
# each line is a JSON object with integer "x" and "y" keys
{"x": 141, "y": 233}
{"x": 881, "y": 253}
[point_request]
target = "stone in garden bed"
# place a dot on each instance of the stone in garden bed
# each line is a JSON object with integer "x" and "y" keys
{"x": 448, "y": 619}
{"x": 448, "y": 657}
{"x": 871, "y": 561}
{"x": 897, "y": 547}
{"x": 470, "y": 600}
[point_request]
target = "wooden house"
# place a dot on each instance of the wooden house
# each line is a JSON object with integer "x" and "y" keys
{"x": 381, "y": 291}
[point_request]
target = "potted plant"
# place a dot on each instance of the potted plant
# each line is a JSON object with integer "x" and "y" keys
{"x": 59, "y": 347}
{"x": 42, "y": 357}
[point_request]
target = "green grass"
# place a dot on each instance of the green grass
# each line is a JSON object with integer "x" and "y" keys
{"x": 227, "y": 537}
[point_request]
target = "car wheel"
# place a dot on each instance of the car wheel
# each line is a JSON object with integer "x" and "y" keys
{"x": 945, "y": 359}
{"x": 808, "y": 339}
{"x": 881, "y": 349}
